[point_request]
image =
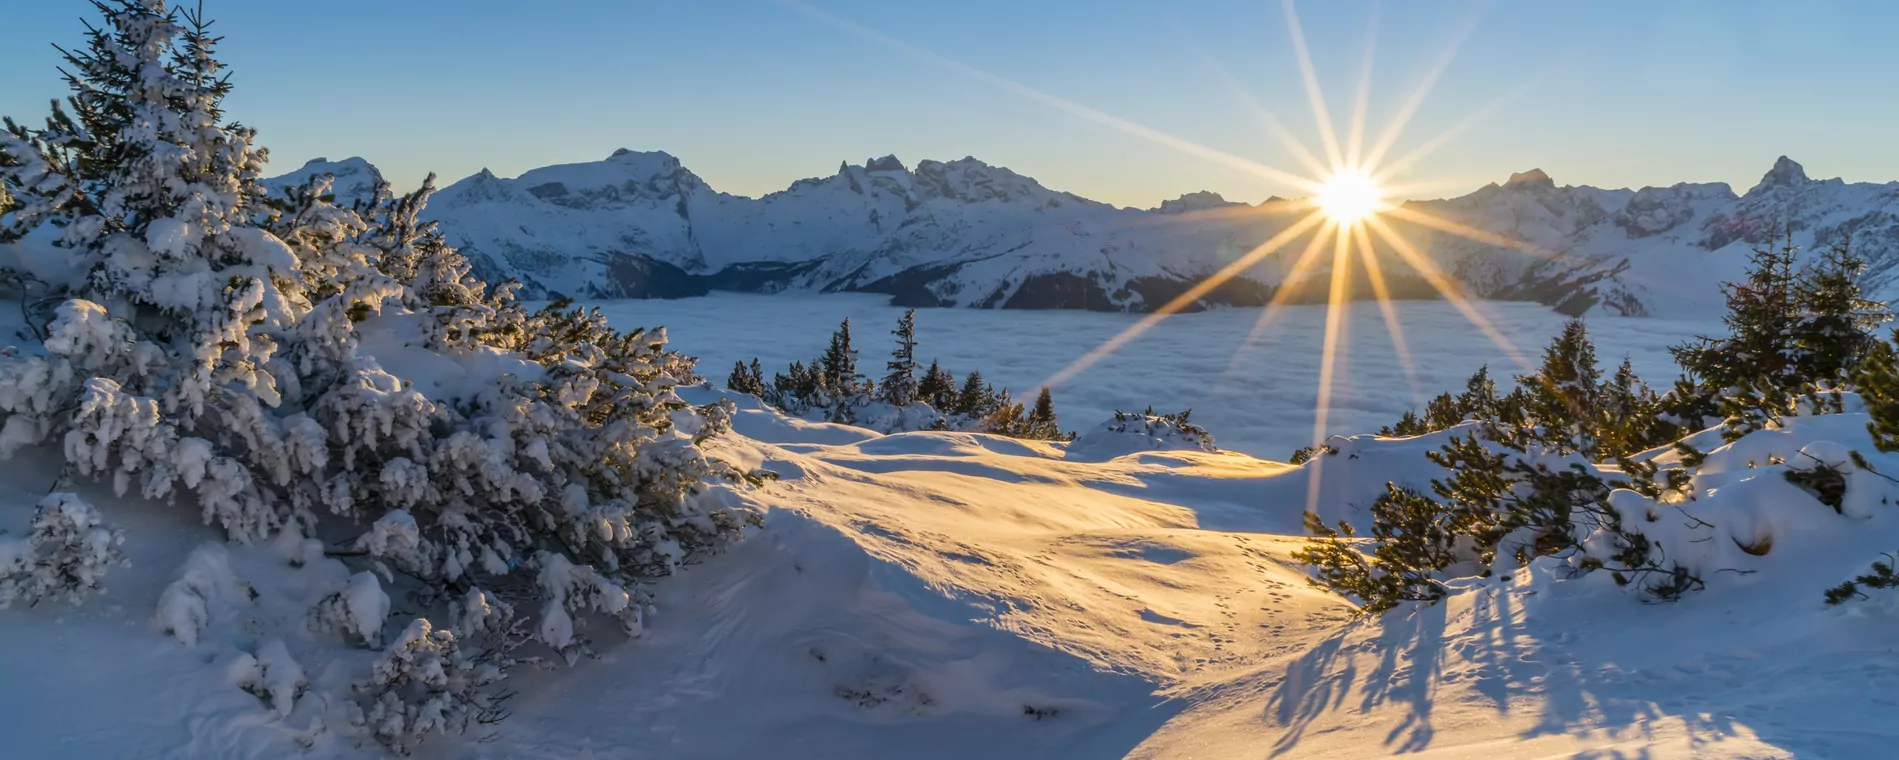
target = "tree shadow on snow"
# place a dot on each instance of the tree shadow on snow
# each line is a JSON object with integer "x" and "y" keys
{"x": 1492, "y": 657}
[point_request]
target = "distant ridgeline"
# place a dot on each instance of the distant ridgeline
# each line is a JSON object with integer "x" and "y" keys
{"x": 965, "y": 233}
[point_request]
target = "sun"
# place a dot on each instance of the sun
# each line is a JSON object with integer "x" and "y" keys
{"x": 1349, "y": 196}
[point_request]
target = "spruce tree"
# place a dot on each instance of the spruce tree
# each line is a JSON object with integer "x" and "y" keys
{"x": 838, "y": 367}
{"x": 1628, "y": 416}
{"x": 1877, "y": 378}
{"x": 938, "y": 388}
{"x": 745, "y": 379}
{"x": 1762, "y": 318}
{"x": 973, "y": 400}
{"x": 1836, "y": 319}
{"x": 900, "y": 385}
{"x": 1041, "y": 421}
{"x": 1563, "y": 393}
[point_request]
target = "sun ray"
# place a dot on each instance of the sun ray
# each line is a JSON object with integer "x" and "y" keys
{"x": 1337, "y": 321}
{"x": 1355, "y": 138}
{"x": 1059, "y": 103}
{"x": 1389, "y": 135}
{"x": 1382, "y": 294}
{"x": 1288, "y": 286}
{"x": 1462, "y": 230}
{"x": 1192, "y": 294}
{"x": 1398, "y": 165}
{"x": 1441, "y": 281}
{"x": 1314, "y": 94}
{"x": 1266, "y": 118}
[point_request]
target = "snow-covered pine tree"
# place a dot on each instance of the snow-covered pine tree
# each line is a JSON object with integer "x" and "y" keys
{"x": 171, "y": 343}
{"x": 938, "y": 388}
{"x": 216, "y": 347}
{"x": 900, "y": 384}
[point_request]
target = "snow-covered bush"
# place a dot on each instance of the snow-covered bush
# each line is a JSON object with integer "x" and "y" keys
{"x": 271, "y": 675}
{"x": 65, "y": 557}
{"x": 357, "y": 611}
{"x": 205, "y": 583}
{"x": 424, "y": 683}
{"x": 1129, "y": 432}
{"x": 295, "y": 367}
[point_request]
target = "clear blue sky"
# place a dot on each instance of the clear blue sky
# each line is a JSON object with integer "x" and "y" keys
{"x": 753, "y": 94}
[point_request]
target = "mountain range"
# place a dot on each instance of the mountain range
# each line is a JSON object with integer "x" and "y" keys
{"x": 966, "y": 233}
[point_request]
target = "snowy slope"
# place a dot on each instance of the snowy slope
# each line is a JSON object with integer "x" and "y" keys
{"x": 965, "y": 233}
{"x": 941, "y": 595}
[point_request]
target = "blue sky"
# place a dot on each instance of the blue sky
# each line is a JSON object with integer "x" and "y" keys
{"x": 753, "y": 94}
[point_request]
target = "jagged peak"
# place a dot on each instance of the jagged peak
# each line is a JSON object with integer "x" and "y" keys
{"x": 1786, "y": 173}
{"x": 1196, "y": 201}
{"x": 1531, "y": 178}
{"x": 888, "y": 163}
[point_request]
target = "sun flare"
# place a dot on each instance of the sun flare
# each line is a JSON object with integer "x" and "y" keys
{"x": 1354, "y": 209}
{"x": 1350, "y": 195}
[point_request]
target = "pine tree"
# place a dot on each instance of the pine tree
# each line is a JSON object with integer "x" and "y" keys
{"x": 1762, "y": 321}
{"x": 745, "y": 379}
{"x": 1628, "y": 416}
{"x": 1041, "y": 422}
{"x": 973, "y": 401}
{"x": 1877, "y": 378}
{"x": 1836, "y": 319}
{"x": 838, "y": 367}
{"x": 213, "y": 350}
{"x": 1563, "y": 393}
{"x": 938, "y": 388}
{"x": 900, "y": 385}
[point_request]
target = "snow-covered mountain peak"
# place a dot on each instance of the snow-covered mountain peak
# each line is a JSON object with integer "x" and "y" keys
{"x": 625, "y": 178}
{"x": 355, "y": 178}
{"x": 1531, "y": 178}
{"x": 1786, "y": 173}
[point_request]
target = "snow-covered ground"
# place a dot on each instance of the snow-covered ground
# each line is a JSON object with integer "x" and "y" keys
{"x": 944, "y": 595}
{"x": 1255, "y": 390}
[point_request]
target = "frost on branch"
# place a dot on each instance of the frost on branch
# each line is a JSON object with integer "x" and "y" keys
{"x": 65, "y": 557}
